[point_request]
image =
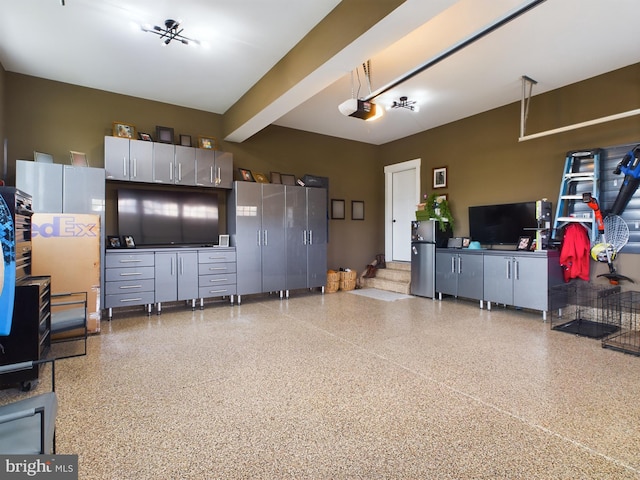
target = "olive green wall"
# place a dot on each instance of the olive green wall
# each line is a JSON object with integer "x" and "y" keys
{"x": 55, "y": 117}
{"x": 486, "y": 163}
{"x": 2, "y": 122}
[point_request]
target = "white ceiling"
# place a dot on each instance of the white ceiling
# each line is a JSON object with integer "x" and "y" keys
{"x": 93, "y": 44}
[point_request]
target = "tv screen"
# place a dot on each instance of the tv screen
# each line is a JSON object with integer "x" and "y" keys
{"x": 163, "y": 217}
{"x": 502, "y": 224}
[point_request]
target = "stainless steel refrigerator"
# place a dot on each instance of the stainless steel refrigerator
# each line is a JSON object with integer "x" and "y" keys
{"x": 425, "y": 237}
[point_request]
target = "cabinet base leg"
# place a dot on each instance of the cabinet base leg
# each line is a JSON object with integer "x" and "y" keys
{"x": 481, "y": 304}
{"x": 544, "y": 316}
{"x": 287, "y": 294}
{"x": 148, "y": 307}
{"x": 158, "y": 308}
{"x": 323, "y": 290}
{"x": 231, "y": 299}
{"x": 239, "y": 299}
{"x": 489, "y": 306}
{"x": 202, "y": 304}
{"x": 110, "y": 313}
{"x": 193, "y": 304}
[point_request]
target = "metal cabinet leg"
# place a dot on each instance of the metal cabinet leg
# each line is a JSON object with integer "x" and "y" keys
{"x": 110, "y": 313}
{"x": 158, "y": 308}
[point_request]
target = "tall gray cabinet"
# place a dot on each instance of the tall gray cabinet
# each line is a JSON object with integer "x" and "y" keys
{"x": 280, "y": 237}
{"x": 306, "y": 229}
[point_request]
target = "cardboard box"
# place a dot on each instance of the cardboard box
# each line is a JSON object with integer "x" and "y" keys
{"x": 66, "y": 246}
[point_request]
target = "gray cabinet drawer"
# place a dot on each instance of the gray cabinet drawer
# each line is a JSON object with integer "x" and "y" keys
{"x": 132, "y": 273}
{"x": 129, "y": 260}
{"x": 215, "y": 280}
{"x": 219, "y": 291}
{"x": 139, "y": 298}
{"x": 129, "y": 286}
{"x": 216, "y": 268}
{"x": 216, "y": 256}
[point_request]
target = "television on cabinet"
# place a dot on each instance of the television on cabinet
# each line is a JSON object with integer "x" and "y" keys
{"x": 164, "y": 217}
{"x": 502, "y": 224}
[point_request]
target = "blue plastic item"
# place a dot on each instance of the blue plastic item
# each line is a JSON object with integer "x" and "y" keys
{"x": 7, "y": 268}
{"x": 474, "y": 246}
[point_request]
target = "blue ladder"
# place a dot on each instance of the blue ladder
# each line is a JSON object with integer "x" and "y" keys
{"x": 581, "y": 175}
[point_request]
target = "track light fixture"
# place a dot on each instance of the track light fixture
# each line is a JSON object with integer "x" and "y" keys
{"x": 404, "y": 102}
{"x": 171, "y": 31}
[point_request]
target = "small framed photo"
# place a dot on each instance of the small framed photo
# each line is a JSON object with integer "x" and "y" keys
{"x": 337, "y": 209}
{"x": 185, "y": 140}
{"x": 465, "y": 242}
{"x": 275, "y": 177}
{"x": 145, "y": 136}
{"x": 288, "y": 179}
{"x": 113, "y": 241}
{"x": 208, "y": 143}
{"x": 124, "y": 130}
{"x": 524, "y": 243}
{"x": 442, "y": 197}
{"x": 223, "y": 240}
{"x": 260, "y": 178}
{"x": 78, "y": 159}
{"x": 440, "y": 177}
{"x": 246, "y": 175}
{"x": 164, "y": 134}
{"x": 357, "y": 210}
{"x": 42, "y": 157}
{"x": 128, "y": 241}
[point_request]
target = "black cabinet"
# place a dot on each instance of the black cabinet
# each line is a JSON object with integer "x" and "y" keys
{"x": 30, "y": 335}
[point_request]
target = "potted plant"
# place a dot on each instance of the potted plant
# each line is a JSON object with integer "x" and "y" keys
{"x": 438, "y": 208}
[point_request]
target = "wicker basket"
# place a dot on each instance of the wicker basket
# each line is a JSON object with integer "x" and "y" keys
{"x": 348, "y": 280}
{"x": 333, "y": 282}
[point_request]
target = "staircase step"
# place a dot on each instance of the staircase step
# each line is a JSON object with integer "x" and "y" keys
{"x": 394, "y": 274}
{"x": 388, "y": 285}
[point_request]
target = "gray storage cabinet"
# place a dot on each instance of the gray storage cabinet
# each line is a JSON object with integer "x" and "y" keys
{"x": 212, "y": 165}
{"x": 129, "y": 279}
{"x": 256, "y": 226}
{"x": 521, "y": 279}
{"x": 459, "y": 274}
{"x": 306, "y": 237}
{"x": 176, "y": 277}
{"x": 185, "y": 162}
{"x": 163, "y": 163}
{"x": 126, "y": 159}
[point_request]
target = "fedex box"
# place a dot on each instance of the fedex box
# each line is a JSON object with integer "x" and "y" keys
{"x": 66, "y": 246}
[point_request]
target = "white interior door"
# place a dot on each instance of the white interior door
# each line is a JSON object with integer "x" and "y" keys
{"x": 402, "y": 194}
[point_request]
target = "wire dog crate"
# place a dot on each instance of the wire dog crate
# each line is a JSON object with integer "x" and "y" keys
{"x": 579, "y": 307}
{"x": 624, "y": 310}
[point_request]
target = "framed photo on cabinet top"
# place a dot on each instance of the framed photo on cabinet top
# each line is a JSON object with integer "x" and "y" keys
{"x": 124, "y": 130}
{"x": 275, "y": 177}
{"x": 288, "y": 179}
{"x": 113, "y": 241}
{"x": 524, "y": 243}
{"x": 440, "y": 177}
{"x": 128, "y": 241}
{"x": 145, "y": 136}
{"x": 208, "y": 143}
{"x": 185, "y": 140}
{"x": 260, "y": 178}
{"x": 78, "y": 159}
{"x": 223, "y": 240}
{"x": 164, "y": 134}
{"x": 246, "y": 175}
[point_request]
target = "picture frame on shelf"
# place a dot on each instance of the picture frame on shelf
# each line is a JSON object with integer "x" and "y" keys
{"x": 145, "y": 137}
{"x": 208, "y": 143}
{"x": 357, "y": 210}
{"x": 246, "y": 175}
{"x": 260, "y": 178}
{"x": 288, "y": 179}
{"x": 41, "y": 157}
{"x": 466, "y": 241}
{"x": 164, "y": 134}
{"x": 124, "y": 130}
{"x": 337, "y": 209}
{"x": 524, "y": 243}
{"x": 113, "y": 241}
{"x": 78, "y": 159}
{"x": 128, "y": 241}
{"x": 440, "y": 177}
{"x": 275, "y": 177}
{"x": 185, "y": 140}
{"x": 442, "y": 197}
{"x": 223, "y": 240}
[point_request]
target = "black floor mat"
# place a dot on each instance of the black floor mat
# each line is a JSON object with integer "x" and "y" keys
{"x": 587, "y": 328}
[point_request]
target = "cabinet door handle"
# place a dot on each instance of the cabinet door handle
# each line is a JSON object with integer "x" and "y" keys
{"x": 259, "y": 238}
{"x": 135, "y": 168}
{"x": 211, "y": 174}
{"x": 459, "y": 265}
{"x": 266, "y": 238}
{"x": 130, "y": 261}
{"x": 129, "y": 287}
{"x": 508, "y": 268}
{"x": 171, "y": 171}
{"x": 310, "y": 237}
{"x": 304, "y": 237}
{"x": 179, "y": 172}
{"x": 218, "y": 280}
{"x": 124, "y": 166}
{"x": 217, "y": 268}
{"x": 453, "y": 264}
{"x": 516, "y": 269}
{"x": 131, "y": 299}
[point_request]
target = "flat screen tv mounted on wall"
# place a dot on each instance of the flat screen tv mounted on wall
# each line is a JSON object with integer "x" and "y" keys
{"x": 165, "y": 218}
{"x": 502, "y": 224}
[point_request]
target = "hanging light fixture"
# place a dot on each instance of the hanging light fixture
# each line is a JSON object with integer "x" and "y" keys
{"x": 404, "y": 102}
{"x": 171, "y": 31}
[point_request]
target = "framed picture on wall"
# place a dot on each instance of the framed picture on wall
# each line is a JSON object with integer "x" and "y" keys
{"x": 357, "y": 210}
{"x": 185, "y": 140}
{"x": 440, "y": 177}
{"x": 337, "y": 209}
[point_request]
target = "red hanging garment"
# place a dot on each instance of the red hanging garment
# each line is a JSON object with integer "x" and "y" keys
{"x": 574, "y": 253}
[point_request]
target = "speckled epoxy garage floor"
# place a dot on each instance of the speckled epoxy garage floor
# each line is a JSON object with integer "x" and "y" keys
{"x": 340, "y": 386}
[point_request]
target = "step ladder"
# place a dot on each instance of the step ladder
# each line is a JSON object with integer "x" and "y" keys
{"x": 581, "y": 175}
